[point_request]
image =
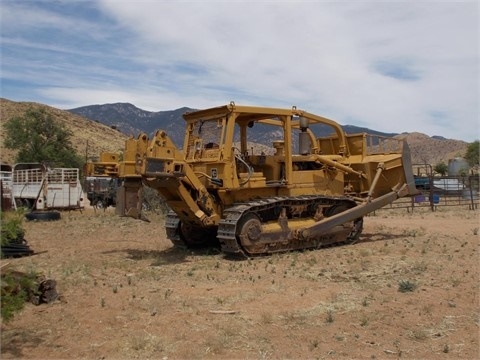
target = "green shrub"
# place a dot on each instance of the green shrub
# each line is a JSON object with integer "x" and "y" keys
{"x": 12, "y": 231}
{"x": 16, "y": 289}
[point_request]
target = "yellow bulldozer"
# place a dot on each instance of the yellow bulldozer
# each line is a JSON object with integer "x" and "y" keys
{"x": 303, "y": 191}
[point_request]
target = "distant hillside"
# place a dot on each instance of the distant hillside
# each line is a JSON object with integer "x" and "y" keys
{"x": 100, "y": 137}
{"x": 132, "y": 120}
{"x": 433, "y": 150}
{"x": 96, "y": 122}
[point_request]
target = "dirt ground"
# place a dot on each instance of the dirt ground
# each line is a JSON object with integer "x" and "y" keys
{"x": 126, "y": 294}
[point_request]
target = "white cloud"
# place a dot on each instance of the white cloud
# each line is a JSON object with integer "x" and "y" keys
{"x": 393, "y": 67}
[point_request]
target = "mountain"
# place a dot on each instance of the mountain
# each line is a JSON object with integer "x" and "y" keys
{"x": 106, "y": 127}
{"x": 131, "y": 120}
{"x": 97, "y": 136}
{"x": 352, "y": 129}
{"x": 433, "y": 150}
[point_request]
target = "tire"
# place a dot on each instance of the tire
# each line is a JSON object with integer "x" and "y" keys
{"x": 26, "y": 204}
{"x": 15, "y": 250}
{"x": 43, "y": 215}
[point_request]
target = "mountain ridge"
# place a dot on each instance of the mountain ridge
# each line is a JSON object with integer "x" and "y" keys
{"x": 106, "y": 127}
{"x": 114, "y": 114}
{"x": 132, "y": 120}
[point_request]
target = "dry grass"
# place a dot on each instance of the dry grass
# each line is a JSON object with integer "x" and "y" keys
{"x": 127, "y": 294}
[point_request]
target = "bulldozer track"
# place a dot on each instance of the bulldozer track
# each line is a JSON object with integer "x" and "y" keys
{"x": 229, "y": 231}
{"x": 266, "y": 210}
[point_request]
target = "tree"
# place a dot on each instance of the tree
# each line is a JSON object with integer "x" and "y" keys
{"x": 39, "y": 138}
{"x": 441, "y": 168}
{"x": 473, "y": 153}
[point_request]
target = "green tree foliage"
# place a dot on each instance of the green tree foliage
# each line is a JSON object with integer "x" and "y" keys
{"x": 441, "y": 168}
{"x": 473, "y": 153}
{"x": 39, "y": 138}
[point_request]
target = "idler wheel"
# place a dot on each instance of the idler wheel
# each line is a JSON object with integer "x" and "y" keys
{"x": 250, "y": 230}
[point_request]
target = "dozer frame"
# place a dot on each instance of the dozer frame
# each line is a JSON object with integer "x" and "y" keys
{"x": 304, "y": 191}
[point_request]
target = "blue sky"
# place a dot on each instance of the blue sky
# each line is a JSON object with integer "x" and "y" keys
{"x": 393, "y": 66}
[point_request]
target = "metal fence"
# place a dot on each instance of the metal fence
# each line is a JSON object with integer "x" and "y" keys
{"x": 439, "y": 191}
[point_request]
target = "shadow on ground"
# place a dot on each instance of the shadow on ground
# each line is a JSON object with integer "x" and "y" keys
{"x": 374, "y": 237}
{"x": 169, "y": 256}
{"x": 19, "y": 343}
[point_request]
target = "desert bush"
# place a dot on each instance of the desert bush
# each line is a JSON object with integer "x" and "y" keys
{"x": 12, "y": 230}
{"x": 16, "y": 289}
{"x": 152, "y": 201}
{"x": 406, "y": 286}
{"x": 418, "y": 334}
{"x": 329, "y": 318}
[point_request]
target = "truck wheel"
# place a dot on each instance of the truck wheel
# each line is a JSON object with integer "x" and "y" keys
{"x": 43, "y": 215}
{"x": 100, "y": 204}
{"x": 24, "y": 203}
